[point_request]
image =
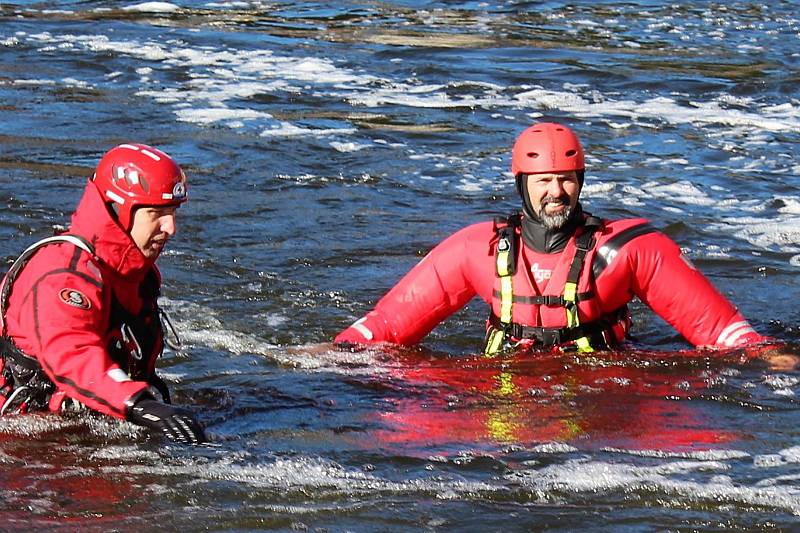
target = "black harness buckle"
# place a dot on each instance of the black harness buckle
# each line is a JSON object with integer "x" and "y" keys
{"x": 551, "y": 337}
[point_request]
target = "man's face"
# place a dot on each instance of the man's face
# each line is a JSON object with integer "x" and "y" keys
{"x": 152, "y": 227}
{"x": 553, "y": 197}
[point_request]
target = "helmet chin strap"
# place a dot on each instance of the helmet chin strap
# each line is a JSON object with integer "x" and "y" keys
{"x": 114, "y": 208}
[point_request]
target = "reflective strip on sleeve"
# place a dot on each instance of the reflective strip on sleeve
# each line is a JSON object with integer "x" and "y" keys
{"x": 359, "y": 326}
{"x": 733, "y": 333}
{"x": 118, "y": 375}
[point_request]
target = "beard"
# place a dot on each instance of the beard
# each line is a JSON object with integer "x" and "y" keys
{"x": 557, "y": 220}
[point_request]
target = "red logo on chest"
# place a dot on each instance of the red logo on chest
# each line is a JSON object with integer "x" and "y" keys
{"x": 74, "y": 298}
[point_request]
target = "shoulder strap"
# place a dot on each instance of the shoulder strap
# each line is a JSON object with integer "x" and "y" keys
{"x": 609, "y": 250}
{"x": 583, "y": 243}
{"x": 22, "y": 260}
{"x": 505, "y": 260}
{"x": 507, "y": 243}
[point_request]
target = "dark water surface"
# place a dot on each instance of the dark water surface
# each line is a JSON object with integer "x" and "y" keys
{"x": 331, "y": 145}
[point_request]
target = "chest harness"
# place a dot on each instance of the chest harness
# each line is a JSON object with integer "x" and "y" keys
{"x": 135, "y": 340}
{"x": 502, "y": 332}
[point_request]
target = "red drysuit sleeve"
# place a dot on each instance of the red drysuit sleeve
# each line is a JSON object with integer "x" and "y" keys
{"x": 653, "y": 268}
{"x": 70, "y": 317}
{"x": 439, "y": 285}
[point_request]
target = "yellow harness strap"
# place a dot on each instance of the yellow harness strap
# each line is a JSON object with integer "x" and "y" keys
{"x": 571, "y": 306}
{"x": 505, "y": 263}
{"x": 497, "y": 337}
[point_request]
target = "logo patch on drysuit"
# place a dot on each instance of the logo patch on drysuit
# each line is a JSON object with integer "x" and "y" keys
{"x": 74, "y": 298}
{"x": 540, "y": 274}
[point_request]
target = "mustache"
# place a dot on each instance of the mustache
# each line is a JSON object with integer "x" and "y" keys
{"x": 563, "y": 199}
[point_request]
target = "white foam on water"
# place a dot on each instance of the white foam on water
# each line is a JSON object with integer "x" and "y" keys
{"x": 33, "y": 82}
{"x": 124, "y": 454}
{"x": 213, "y": 115}
{"x": 553, "y": 448}
{"x": 784, "y": 457}
{"x": 429, "y": 96}
{"x": 106, "y": 426}
{"x": 664, "y": 109}
{"x": 198, "y": 325}
{"x": 676, "y": 480}
{"x": 72, "y": 82}
{"x": 228, "y": 5}
{"x": 286, "y": 129}
{"x": 681, "y": 192}
{"x": 702, "y": 455}
{"x": 213, "y": 93}
{"x": 40, "y": 424}
{"x": 768, "y": 461}
{"x": 34, "y": 424}
{"x": 271, "y": 319}
{"x": 781, "y": 384}
{"x": 780, "y": 233}
{"x": 304, "y": 474}
{"x": 233, "y": 68}
{"x": 470, "y": 183}
{"x": 218, "y": 76}
{"x": 735, "y": 217}
{"x": 222, "y": 80}
{"x": 710, "y": 251}
{"x": 781, "y": 381}
{"x": 153, "y": 7}
{"x": 348, "y": 146}
{"x": 791, "y": 205}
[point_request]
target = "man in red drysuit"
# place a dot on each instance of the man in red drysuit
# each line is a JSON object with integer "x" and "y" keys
{"x": 79, "y": 313}
{"x": 554, "y": 275}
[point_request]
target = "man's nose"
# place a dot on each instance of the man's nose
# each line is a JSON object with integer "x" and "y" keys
{"x": 555, "y": 188}
{"x": 168, "y": 225}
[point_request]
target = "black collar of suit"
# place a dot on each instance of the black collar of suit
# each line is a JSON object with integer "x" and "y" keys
{"x": 545, "y": 240}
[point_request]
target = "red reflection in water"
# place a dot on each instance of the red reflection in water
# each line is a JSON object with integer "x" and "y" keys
{"x": 47, "y": 482}
{"x": 588, "y": 403}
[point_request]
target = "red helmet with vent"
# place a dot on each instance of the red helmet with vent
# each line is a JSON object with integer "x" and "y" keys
{"x": 136, "y": 175}
{"x": 546, "y": 147}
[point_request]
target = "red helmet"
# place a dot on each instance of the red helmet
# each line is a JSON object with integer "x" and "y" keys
{"x": 135, "y": 175}
{"x": 546, "y": 147}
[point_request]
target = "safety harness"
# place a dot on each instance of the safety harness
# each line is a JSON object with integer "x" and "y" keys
{"x": 29, "y": 387}
{"x": 502, "y": 330}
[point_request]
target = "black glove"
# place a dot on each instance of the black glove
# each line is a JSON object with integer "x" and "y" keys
{"x": 176, "y": 423}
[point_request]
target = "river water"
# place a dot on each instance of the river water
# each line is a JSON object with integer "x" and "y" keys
{"x": 329, "y": 146}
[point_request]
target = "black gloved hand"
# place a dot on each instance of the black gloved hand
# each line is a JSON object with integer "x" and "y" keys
{"x": 176, "y": 423}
